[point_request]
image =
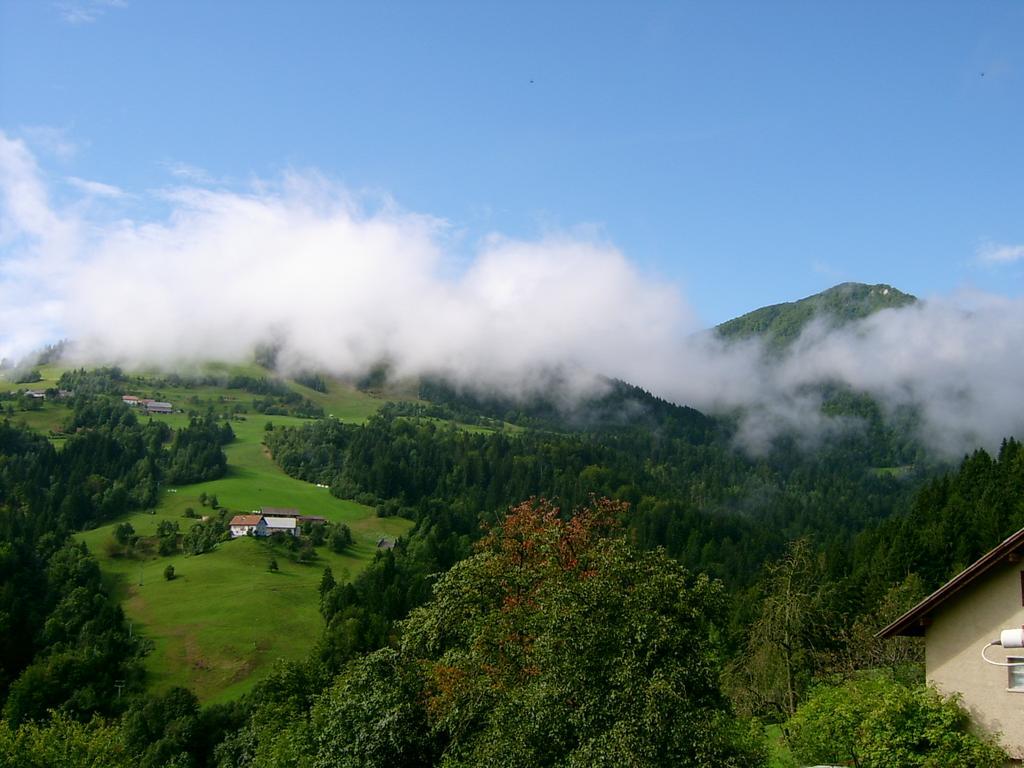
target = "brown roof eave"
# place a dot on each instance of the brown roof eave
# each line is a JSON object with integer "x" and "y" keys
{"x": 913, "y": 622}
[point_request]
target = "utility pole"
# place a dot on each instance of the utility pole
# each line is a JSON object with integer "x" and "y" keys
{"x": 119, "y": 684}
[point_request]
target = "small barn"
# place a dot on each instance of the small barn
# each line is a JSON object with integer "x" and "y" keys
{"x": 279, "y": 512}
{"x": 289, "y": 525}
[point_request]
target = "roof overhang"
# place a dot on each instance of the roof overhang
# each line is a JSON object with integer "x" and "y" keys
{"x": 914, "y": 622}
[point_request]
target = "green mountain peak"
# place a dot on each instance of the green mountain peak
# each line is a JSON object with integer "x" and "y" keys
{"x": 781, "y": 324}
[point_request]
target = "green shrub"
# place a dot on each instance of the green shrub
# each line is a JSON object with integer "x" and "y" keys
{"x": 874, "y": 722}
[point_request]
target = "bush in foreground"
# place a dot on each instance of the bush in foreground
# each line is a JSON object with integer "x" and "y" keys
{"x": 874, "y": 722}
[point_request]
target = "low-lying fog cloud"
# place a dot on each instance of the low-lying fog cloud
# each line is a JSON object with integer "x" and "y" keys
{"x": 341, "y": 286}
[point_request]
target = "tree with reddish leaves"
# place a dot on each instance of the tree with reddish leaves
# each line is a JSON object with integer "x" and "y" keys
{"x": 556, "y": 644}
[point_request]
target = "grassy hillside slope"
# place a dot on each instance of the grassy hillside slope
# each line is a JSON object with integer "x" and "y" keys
{"x": 221, "y": 623}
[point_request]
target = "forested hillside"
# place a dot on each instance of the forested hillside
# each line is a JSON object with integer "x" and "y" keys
{"x": 794, "y": 618}
{"x": 532, "y": 520}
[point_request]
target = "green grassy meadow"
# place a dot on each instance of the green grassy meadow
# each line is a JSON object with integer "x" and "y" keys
{"x": 49, "y": 373}
{"x": 222, "y": 623}
{"x": 51, "y": 416}
{"x": 342, "y": 400}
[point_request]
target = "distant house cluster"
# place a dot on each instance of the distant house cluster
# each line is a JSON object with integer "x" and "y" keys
{"x": 40, "y": 394}
{"x": 151, "y": 406}
{"x": 271, "y": 520}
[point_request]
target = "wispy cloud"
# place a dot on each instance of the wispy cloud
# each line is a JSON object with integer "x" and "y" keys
{"x": 25, "y": 208}
{"x": 995, "y": 253}
{"x": 85, "y": 11}
{"x": 51, "y": 140}
{"x": 186, "y": 172}
{"x": 96, "y": 188}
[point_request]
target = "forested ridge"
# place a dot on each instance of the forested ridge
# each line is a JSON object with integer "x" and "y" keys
{"x": 519, "y": 589}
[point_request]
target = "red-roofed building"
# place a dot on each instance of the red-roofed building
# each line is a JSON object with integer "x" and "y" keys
{"x": 246, "y": 525}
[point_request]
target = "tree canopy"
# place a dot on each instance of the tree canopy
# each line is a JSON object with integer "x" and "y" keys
{"x": 556, "y": 644}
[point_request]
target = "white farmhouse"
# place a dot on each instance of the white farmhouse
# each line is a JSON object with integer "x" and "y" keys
{"x": 245, "y": 525}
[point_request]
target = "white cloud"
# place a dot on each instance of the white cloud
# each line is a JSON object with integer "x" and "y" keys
{"x": 993, "y": 253}
{"x": 188, "y": 173}
{"x": 343, "y": 286}
{"x": 26, "y": 207}
{"x": 96, "y": 188}
{"x": 960, "y": 366}
{"x": 38, "y": 250}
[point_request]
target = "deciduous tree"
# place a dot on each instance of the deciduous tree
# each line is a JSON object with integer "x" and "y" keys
{"x": 556, "y": 644}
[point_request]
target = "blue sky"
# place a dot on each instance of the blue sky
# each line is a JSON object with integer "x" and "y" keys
{"x": 749, "y": 153}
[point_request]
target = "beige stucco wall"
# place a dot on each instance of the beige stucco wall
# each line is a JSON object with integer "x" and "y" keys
{"x": 953, "y": 643}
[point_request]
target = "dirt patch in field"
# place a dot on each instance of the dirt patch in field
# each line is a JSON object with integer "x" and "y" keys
{"x": 245, "y": 668}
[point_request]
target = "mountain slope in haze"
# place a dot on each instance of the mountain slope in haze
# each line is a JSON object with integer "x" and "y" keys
{"x": 858, "y": 421}
{"x": 781, "y": 324}
{"x": 616, "y": 405}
